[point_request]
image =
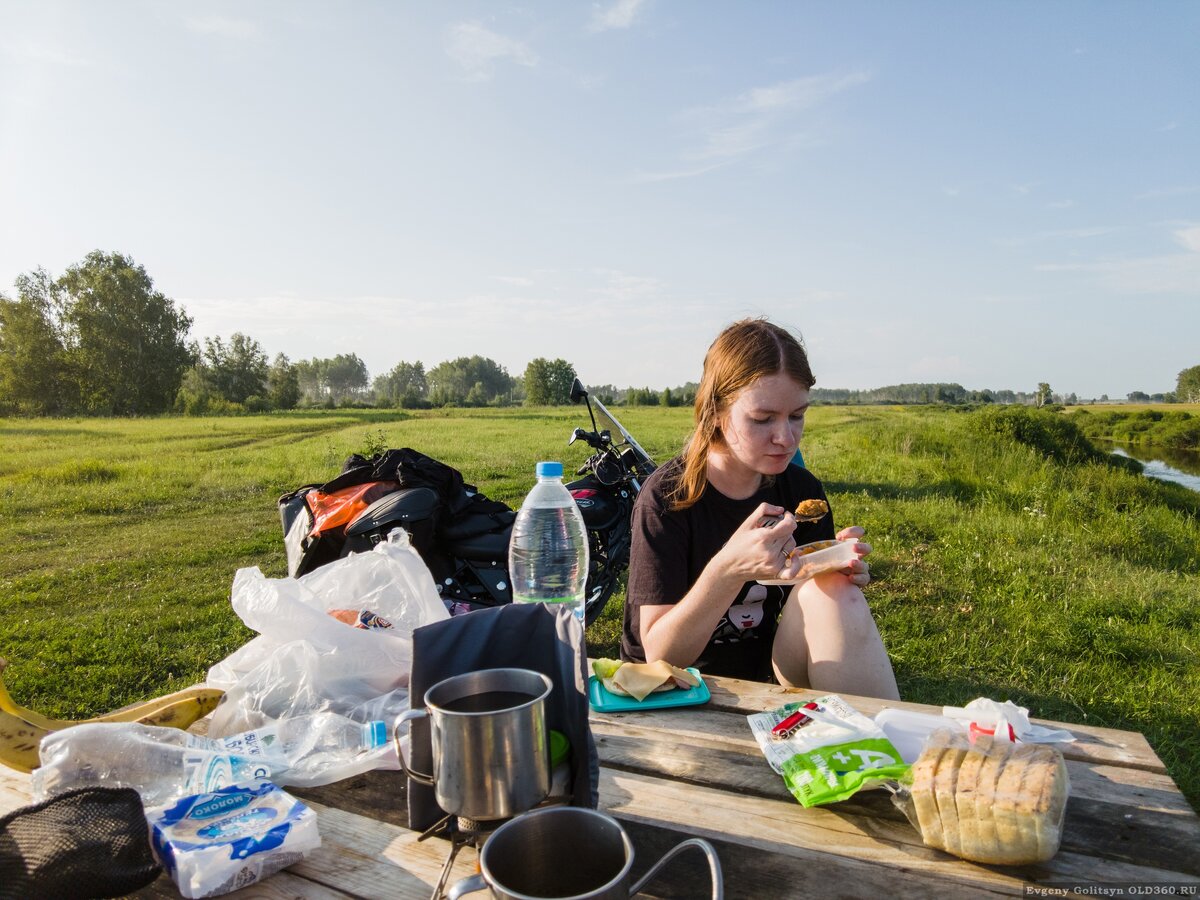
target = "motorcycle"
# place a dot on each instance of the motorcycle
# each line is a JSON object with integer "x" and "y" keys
{"x": 460, "y": 534}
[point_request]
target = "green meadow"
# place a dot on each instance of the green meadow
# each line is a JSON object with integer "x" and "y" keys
{"x": 1010, "y": 559}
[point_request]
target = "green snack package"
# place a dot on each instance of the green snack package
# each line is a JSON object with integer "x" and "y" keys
{"x": 825, "y": 749}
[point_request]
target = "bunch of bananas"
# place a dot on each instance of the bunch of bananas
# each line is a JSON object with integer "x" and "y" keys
{"x": 22, "y": 730}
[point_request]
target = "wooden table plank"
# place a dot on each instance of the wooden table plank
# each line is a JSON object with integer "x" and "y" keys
{"x": 872, "y": 855}
{"x": 1115, "y": 813}
{"x": 1092, "y": 744}
{"x": 727, "y": 736}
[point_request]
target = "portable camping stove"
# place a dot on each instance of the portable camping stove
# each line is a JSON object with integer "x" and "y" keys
{"x": 460, "y": 832}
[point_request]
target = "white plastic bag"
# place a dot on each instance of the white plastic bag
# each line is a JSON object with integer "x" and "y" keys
{"x": 1007, "y": 720}
{"x": 305, "y": 661}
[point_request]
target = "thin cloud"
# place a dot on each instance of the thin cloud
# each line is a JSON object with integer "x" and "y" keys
{"x": 620, "y": 289}
{"x": 514, "y": 280}
{"x": 1059, "y": 234}
{"x": 477, "y": 50}
{"x": 621, "y": 14}
{"x": 1189, "y": 238}
{"x": 756, "y": 119}
{"x": 222, "y": 26}
{"x": 1174, "y": 273}
{"x": 1176, "y": 191}
{"x": 51, "y": 54}
{"x": 673, "y": 175}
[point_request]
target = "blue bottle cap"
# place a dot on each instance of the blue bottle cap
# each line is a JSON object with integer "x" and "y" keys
{"x": 549, "y": 470}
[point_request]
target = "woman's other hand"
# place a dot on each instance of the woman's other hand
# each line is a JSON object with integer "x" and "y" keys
{"x": 858, "y": 571}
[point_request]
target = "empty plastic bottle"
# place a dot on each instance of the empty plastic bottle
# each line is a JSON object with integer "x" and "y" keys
{"x": 163, "y": 764}
{"x": 548, "y": 553}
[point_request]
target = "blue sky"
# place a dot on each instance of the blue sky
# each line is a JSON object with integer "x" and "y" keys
{"x": 994, "y": 194}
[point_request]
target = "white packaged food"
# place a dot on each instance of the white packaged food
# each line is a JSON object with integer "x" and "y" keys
{"x": 218, "y": 842}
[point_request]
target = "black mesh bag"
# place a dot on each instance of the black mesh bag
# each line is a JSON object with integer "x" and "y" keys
{"x": 90, "y": 842}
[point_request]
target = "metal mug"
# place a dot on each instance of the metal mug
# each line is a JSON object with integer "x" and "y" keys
{"x": 567, "y": 851}
{"x": 491, "y": 748}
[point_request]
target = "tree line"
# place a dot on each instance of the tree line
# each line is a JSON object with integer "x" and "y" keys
{"x": 101, "y": 340}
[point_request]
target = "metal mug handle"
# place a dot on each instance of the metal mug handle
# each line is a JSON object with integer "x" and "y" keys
{"x": 418, "y": 777}
{"x": 467, "y": 886}
{"x": 714, "y": 866}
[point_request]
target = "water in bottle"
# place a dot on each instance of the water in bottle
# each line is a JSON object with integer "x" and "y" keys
{"x": 548, "y": 552}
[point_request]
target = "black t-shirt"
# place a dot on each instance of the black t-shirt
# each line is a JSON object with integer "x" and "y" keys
{"x": 672, "y": 547}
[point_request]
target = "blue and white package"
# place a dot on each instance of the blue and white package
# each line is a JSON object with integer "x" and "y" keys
{"x": 220, "y": 841}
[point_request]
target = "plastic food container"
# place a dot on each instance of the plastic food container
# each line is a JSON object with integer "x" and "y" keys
{"x": 818, "y": 557}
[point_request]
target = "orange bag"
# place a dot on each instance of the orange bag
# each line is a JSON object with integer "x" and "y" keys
{"x": 337, "y": 509}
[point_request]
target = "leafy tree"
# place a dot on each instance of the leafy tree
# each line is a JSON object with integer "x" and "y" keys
{"x": 1043, "y": 395}
{"x": 346, "y": 375}
{"x": 1137, "y": 397}
{"x": 331, "y": 380}
{"x": 404, "y": 385}
{"x": 548, "y": 383}
{"x": 107, "y": 342}
{"x": 124, "y": 341}
{"x": 473, "y": 380}
{"x": 1187, "y": 386}
{"x": 283, "y": 384}
{"x": 641, "y": 397}
{"x": 310, "y": 377}
{"x": 32, "y": 358}
{"x": 237, "y": 370}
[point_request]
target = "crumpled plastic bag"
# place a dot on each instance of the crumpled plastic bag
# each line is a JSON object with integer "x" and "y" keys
{"x": 305, "y": 661}
{"x": 1006, "y": 721}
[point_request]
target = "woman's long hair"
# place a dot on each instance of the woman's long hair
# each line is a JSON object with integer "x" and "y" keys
{"x": 741, "y": 354}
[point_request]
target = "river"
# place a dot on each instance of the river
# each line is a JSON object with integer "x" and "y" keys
{"x": 1166, "y": 464}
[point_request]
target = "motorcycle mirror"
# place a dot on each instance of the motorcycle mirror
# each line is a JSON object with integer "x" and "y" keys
{"x": 578, "y": 391}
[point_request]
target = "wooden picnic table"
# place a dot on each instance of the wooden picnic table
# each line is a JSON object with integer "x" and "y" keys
{"x": 697, "y": 772}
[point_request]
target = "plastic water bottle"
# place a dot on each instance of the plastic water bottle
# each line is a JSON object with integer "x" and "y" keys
{"x": 163, "y": 764}
{"x": 548, "y": 553}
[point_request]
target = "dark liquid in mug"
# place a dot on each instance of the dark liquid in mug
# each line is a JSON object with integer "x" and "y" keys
{"x": 489, "y": 701}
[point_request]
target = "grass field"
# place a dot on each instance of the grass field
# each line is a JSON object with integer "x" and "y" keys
{"x": 998, "y": 570}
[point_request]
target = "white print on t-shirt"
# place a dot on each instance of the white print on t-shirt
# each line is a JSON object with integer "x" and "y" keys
{"x": 749, "y": 613}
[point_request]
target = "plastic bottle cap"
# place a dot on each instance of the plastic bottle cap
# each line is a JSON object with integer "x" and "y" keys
{"x": 549, "y": 470}
{"x": 374, "y": 734}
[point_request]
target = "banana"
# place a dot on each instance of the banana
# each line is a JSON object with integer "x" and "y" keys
{"x": 22, "y": 730}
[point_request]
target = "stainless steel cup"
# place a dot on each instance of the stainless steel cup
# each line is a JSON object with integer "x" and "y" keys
{"x": 567, "y": 851}
{"x": 491, "y": 748}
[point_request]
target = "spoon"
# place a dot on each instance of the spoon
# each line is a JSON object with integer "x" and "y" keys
{"x": 807, "y": 511}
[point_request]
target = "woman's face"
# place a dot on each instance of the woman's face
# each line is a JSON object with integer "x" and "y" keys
{"x": 763, "y": 426}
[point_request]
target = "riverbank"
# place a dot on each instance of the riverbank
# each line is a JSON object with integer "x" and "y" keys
{"x": 1175, "y": 426}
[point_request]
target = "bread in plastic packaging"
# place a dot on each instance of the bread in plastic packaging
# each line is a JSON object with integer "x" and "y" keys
{"x": 990, "y": 801}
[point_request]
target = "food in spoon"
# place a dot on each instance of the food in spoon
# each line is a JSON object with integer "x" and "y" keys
{"x": 811, "y": 510}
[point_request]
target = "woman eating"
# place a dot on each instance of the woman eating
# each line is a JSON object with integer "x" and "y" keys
{"x": 712, "y": 523}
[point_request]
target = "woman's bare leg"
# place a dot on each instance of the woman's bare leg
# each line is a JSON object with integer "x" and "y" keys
{"x": 828, "y": 641}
